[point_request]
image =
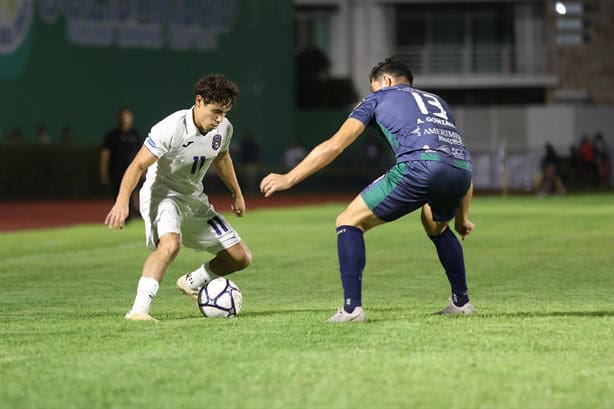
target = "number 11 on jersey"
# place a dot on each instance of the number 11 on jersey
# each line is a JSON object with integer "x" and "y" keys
{"x": 217, "y": 225}
{"x": 196, "y": 165}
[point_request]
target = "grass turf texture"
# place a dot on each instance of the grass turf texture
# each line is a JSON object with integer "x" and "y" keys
{"x": 539, "y": 270}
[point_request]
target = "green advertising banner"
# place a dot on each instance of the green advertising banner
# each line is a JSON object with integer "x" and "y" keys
{"x": 74, "y": 63}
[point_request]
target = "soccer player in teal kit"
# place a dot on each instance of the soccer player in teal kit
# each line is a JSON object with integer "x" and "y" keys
{"x": 433, "y": 172}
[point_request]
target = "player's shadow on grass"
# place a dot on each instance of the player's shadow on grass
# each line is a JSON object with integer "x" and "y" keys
{"x": 534, "y": 314}
{"x": 285, "y": 312}
{"x": 253, "y": 314}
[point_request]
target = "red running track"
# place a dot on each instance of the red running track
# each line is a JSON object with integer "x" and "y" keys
{"x": 16, "y": 215}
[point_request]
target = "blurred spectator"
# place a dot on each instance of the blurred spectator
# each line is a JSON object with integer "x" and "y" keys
{"x": 569, "y": 166}
{"x": 42, "y": 136}
{"x": 250, "y": 150}
{"x": 604, "y": 167}
{"x": 586, "y": 150}
{"x": 120, "y": 146}
{"x": 574, "y": 156}
{"x": 599, "y": 145}
{"x": 549, "y": 181}
{"x": 587, "y": 157}
{"x": 66, "y": 137}
{"x": 550, "y": 158}
{"x": 294, "y": 154}
{"x": 250, "y": 161}
{"x": 603, "y": 161}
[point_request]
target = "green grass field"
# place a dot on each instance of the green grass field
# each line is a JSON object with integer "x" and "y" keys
{"x": 540, "y": 272}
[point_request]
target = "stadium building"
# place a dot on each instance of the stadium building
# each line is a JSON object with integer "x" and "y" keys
{"x": 518, "y": 74}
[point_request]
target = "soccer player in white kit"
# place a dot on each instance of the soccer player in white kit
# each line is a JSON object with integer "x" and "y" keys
{"x": 177, "y": 154}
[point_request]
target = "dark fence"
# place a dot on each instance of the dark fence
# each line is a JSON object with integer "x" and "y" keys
{"x": 49, "y": 171}
{"x": 37, "y": 171}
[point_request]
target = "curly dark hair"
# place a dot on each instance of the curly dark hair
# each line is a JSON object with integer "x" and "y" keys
{"x": 391, "y": 66}
{"x": 217, "y": 89}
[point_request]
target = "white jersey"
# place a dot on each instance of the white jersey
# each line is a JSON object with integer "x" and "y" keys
{"x": 184, "y": 155}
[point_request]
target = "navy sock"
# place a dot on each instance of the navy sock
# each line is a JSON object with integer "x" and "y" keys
{"x": 351, "y": 252}
{"x": 450, "y": 254}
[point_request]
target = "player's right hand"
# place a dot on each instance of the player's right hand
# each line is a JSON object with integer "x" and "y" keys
{"x": 464, "y": 227}
{"x": 117, "y": 216}
{"x": 274, "y": 182}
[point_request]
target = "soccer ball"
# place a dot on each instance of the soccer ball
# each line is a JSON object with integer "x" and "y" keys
{"x": 220, "y": 298}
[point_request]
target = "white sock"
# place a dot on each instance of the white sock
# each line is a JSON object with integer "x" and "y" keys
{"x": 145, "y": 292}
{"x": 197, "y": 278}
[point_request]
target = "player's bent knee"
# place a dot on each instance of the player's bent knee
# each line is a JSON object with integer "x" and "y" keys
{"x": 238, "y": 259}
{"x": 244, "y": 260}
{"x": 363, "y": 224}
{"x": 170, "y": 247}
{"x": 431, "y": 227}
{"x": 435, "y": 229}
{"x": 344, "y": 220}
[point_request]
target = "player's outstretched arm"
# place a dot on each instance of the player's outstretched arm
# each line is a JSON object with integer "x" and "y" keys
{"x": 462, "y": 224}
{"x": 226, "y": 170}
{"x": 117, "y": 215}
{"x": 318, "y": 158}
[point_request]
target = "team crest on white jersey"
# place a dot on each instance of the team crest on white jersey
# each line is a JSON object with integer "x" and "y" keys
{"x": 216, "y": 142}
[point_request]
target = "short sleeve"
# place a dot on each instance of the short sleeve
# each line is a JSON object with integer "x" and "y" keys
{"x": 228, "y": 138}
{"x": 158, "y": 141}
{"x": 365, "y": 110}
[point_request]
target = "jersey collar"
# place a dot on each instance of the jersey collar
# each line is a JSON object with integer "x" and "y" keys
{"x": 190, "y": 126}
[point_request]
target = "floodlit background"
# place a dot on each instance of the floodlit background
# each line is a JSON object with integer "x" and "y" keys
{"x": 517, "y": 74}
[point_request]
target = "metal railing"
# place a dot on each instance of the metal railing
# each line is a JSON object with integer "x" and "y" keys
{"x": 475, "y": 60}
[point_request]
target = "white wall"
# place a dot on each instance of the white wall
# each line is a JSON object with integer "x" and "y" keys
{"x": 551, "y": 124}
{"x": 520, "y": 133}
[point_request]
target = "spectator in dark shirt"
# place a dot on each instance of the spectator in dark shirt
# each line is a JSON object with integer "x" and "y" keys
{"x": 119, "y": 149}
{"x": 599, "y": 145}
{"x": 602, "y": 159}
{"x": 550, "y": 158}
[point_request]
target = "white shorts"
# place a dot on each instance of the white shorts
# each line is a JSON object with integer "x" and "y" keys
{"x": 195, "y": 220}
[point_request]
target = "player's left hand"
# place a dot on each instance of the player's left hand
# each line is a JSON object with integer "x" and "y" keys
{"x": 464, "y": 227}
{"x": 274, "y": 182}
{"x": 238, "y": 205}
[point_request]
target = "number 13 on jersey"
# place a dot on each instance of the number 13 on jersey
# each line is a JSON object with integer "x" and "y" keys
{"x": 433, "y": 101}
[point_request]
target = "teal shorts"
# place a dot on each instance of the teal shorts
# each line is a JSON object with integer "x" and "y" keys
{"x": 407, "y": 186}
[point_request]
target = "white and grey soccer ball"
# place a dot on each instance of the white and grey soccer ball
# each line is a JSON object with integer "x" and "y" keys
{"x": 220, "y": 298}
